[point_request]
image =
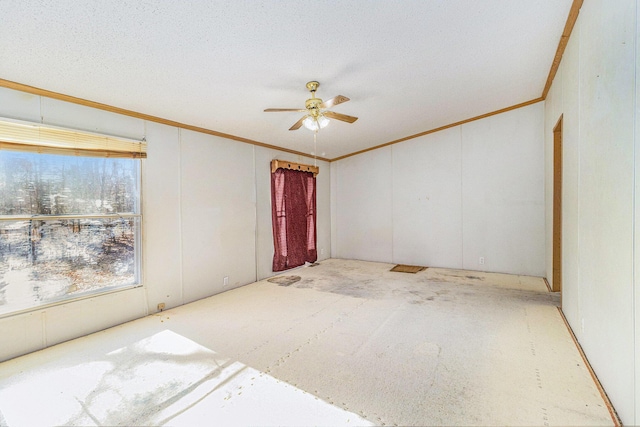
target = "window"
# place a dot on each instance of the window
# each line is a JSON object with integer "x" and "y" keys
{"x": 69, "y": 224}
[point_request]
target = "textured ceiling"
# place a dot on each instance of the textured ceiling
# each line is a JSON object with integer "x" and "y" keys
{"x": 408, "y": 66}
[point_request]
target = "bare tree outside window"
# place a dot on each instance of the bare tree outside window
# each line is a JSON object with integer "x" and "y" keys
{"x": 69, "y": 225}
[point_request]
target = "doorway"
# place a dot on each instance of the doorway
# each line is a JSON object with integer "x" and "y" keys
{"x": 557, "y": 207}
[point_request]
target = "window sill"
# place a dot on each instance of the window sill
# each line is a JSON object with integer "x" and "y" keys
{"x": 67, "y": 300}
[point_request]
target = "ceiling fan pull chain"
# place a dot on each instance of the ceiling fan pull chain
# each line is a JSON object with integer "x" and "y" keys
{"x": 315, "y": 148}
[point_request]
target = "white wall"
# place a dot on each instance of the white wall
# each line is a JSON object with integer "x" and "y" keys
{"x": 206, "y": 215}
{"x": 448, "y": 198}
{"x": 596, "y": 93}
{"x": 218, "y": 216}
{"x": 427, "y": 201}
{"x": 363, "y": 224}
{"x": 636, "y": 223}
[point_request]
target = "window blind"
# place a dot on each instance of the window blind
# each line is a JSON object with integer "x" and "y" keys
{"x": 39, "y": 138}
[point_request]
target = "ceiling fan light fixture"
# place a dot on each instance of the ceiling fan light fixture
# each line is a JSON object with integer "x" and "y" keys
{"x": 314, "y": 124}
{"x": 323, "y": 122}
{"x": 310, "y": 123}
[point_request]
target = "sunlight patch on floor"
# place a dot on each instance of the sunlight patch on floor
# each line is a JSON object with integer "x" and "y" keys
{"x": 162, "y": 379}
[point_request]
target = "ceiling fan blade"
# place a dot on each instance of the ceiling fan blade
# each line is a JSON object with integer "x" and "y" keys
{"x": 278, "y": 110}
{"x": 334, "y": 101}
{"x": 341, "y": 117}
{"x": 297, "y": 125}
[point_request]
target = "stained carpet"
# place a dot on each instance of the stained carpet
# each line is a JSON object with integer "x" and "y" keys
{"x": 350, "y": 343}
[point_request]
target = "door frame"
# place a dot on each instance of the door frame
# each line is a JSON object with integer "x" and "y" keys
{"x": 557, "y": 207}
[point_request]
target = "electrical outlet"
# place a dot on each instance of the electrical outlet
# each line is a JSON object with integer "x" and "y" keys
{"x": 481, "y": 260}
{"x": 225, "y": 281}
{"x": 161, "y": 306}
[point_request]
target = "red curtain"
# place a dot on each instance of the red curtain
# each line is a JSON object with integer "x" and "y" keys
{"x": 293, "y": 206}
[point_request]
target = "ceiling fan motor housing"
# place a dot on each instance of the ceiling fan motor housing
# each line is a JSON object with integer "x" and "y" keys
{"x": 313, "y": 106}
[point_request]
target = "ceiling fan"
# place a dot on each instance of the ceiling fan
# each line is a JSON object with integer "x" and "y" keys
{"x": 317, "y": 116}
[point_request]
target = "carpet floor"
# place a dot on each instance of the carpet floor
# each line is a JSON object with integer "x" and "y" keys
{"x": 350, "y": 343}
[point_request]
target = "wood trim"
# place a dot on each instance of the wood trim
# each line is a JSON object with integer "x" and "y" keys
{"x": 557, "y": 207}
{"x": 275, "y": 164}
{"x": 92, "y": 104}
{"x": 417, "y": 135}
{"x": 612, "y": 411}
{"x": 564, "y": 39}
{"x": 546, "y": 282}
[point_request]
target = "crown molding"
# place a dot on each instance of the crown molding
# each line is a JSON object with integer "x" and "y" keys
{"x": 438, "y": 129}
{"x": 92, "y": 104}
{"x": 562, "y": 44}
